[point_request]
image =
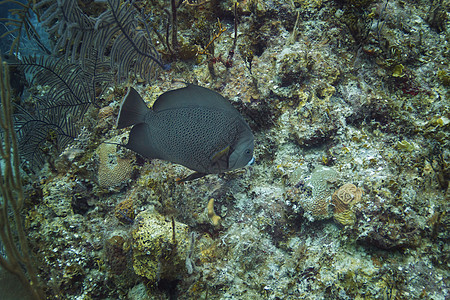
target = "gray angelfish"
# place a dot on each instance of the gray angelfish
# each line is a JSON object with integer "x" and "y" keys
{"x": 191, "y": 126}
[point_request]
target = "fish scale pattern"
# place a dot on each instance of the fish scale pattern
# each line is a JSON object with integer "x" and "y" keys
{"x": 188, "y": 135}
{"x": 192, "y": 126}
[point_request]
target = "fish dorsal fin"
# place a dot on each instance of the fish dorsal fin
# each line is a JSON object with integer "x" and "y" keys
{"x": 132, "y": 110}
{"x": 192, "y": 95}
{"x": 140, "y": 141}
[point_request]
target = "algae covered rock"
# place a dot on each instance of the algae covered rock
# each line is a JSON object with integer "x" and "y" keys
{"x": 160, "y": 247}
{"x": 57, "y": 196}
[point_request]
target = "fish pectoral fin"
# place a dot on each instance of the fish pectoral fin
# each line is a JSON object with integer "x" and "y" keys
{"x": 220, "y": 158}
{"x": 193, "y": 176}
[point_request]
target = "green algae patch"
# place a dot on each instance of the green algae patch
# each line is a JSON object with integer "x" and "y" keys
{"x": 405, "y": 146}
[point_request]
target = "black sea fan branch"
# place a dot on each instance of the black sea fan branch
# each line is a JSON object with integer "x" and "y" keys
{"x": 42, "y": 136}
{"x": 20, "y": 24}
{"x": 64, "y": 84}
{"x": 97, "y": 75}
{"x": 132, "y": 48}
{"x": 65, "y": 93}
{"x": 75, "y": 31}
{"x": 115, "y": 34}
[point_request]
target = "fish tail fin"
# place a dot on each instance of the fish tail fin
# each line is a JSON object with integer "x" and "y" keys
{"x": 132, "y": 110}
{"x": 140, "y": 141}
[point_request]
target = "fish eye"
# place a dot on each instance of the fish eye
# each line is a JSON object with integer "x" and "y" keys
{"x": 248, "y": 152}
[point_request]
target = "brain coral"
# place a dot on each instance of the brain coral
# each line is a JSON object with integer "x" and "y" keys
{"x": 343, "y": 199}
{"x": 321, "y": 182}
{"x": 155, "y": 253}
{"x": 113, "y": 170}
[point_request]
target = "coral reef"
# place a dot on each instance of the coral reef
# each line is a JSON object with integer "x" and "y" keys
{"x": 349, "y": 194}
{"x": 390, "y": 230}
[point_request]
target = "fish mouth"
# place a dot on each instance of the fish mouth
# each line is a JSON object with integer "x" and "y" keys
{"x": 251, "y": 162}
